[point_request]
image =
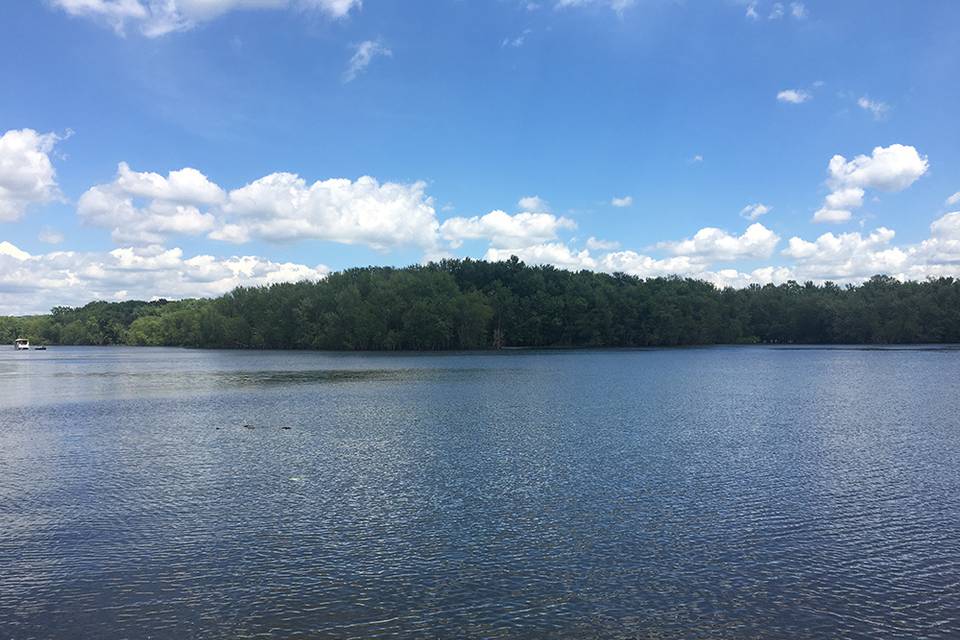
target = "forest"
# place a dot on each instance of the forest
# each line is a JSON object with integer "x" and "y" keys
{"x": 470, "y": 304}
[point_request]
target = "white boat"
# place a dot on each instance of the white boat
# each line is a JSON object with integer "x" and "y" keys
{"x": 21, "y": 344}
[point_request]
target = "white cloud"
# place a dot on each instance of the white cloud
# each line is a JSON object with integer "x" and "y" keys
{"x": 825, "y": 214}
{"x": 847, "y": 256}
{"x": 26, "y": 174}
{"x": 943, "y": 246}
{"x": 838, "y": 205}
{"x": 625, "y": 201}
{"x": 794, "y": 96}
{"x": 333, "y": 8}
{"x": 844, "y": 258}
{"x": 114, "y": 12}
{"x": 692, "y": 257}
{"x": 36, "y": 283}
{"x": 737, "y": 279}
{"x": 159, "y": 17}
{"x": 283, "y": 207}
{"x": 696, "y": 159}
{"x": 617, "y": 5}
{"x": 363, "y": 55}
{"x": 892, "y": 168}
{"x": 712, "y": 244}
{"x": 505, "y": 230}
{"x": 533, "y": 203}
{"x": 554, "y": 253}
{"x": 49, "y": 235}
{"x": 518, "y": 41}
{"x": 145, "y": 207}
{"x": 185, "y": 186}
{"x": 596, "y": 244}
{"x": 12, "y": 251}
{"x": 797, "y": 10}
{"x": 636, "y": 264}
{"x": 845, "y": 198}
{"x": 642, "y": 266}
{"x": 877, "y": 108}
{"x": 754, "y": 211}
{"x": 954, "y": 199}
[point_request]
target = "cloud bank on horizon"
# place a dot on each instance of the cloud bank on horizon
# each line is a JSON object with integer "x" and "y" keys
{"x": 94, "y": 217}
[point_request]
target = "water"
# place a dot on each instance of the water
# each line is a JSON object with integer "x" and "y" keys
{"x": 689, "y": 493}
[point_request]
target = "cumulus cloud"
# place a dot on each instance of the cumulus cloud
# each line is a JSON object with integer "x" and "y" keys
{"x": 159, "y": 17}
{"x": 26, "y": 174}
{"x": 798, "y": 10}
{"x": 145, "y": 207}
{"x": 596, "y": 244}
{"x": 739, "y": 279}
{"x": 12, "y": 251}
{"x": 643, "y": 266}
{"x": 794, "y": 96}
{"x": 533, "y": 203}
{"x": 552, "y": 253}
{"x": 36, "y": 283}
{"x": 825, "y": 214}
{"x": 838, "y": 205}
{"x": 363, "y": 55}
{"x": 875, "y": 107}
{"x": 505, "y": 230}
{"x": 754, "y": 211}
{"x": 845, "y": 198}
{"x": 943, "y": 246}
{"x": 892, "y": 168}
{"x": 691, "y": 257}
{"x": 625, "y": 201}
{"x": 283, "y": 207}
{"x": 954, "y": 199}
{"x": 854, "y": 257}
{"x": 713, "y": 244}
{"x": 847, "y": 256}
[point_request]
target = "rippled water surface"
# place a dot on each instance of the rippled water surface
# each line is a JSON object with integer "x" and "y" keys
{"x": 693, "y": 493}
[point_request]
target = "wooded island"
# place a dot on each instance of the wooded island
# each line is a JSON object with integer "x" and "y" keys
{"x": 470, "y": 304}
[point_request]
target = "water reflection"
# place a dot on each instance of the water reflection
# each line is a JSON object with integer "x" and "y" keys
{"x": 704, "y": 493}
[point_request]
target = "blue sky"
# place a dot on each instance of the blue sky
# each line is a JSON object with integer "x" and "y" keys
{"x": 486, "y": 128}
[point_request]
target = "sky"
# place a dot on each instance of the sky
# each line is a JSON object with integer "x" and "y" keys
{"x": 180, "y": 148}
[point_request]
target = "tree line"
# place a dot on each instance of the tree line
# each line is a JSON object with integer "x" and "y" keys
{"x": 470, "y": 304}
